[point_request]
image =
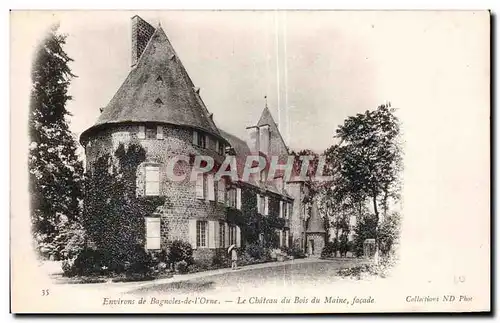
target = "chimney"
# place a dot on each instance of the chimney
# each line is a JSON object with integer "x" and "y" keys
{"x": 253, "y": 139}
{"x": 141, "y": 34}
{"x": 264, "y": 139}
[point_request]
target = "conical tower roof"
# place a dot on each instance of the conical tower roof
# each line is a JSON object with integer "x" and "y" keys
{"x": 158, "y": 89}
{"x": 316, "y": 223}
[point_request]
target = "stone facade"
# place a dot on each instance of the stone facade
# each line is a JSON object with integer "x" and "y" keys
{"x": 204, "y": 213}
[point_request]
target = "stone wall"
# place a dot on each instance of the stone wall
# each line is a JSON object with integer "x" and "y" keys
{"x": 181, "y": 201}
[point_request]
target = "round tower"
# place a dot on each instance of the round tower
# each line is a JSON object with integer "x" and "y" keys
{"x": 159, "y": 108}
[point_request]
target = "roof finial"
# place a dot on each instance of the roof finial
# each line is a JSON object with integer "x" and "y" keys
{"x": 265, "y": 98}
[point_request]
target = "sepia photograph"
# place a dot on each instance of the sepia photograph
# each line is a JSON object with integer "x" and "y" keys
{"x": 265, "y": 161}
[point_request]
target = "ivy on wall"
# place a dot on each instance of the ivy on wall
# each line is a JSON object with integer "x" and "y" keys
{"x": 252, "y": 224}
{"x": 113, "y": 215}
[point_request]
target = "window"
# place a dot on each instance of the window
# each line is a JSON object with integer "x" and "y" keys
{"x": 199, "y": 139}
{"x": 153, "y": 237}
{"x": 205, "y": 187}
{"x": 142, "y": 132}
{"x": 219, "y": 147}
{"x": 150, "y": 131}
{"x": 234, "y": 198}
{"x": 200, "y": 187}
{"x": 152, "y": 180}
{"x": 222, "y": 234}
{"x": 159, "y": 132}
{"x": 210, "y": 187}
{"x": 232, "y": 235}
{"x": 261, "y": 207}
{"x": 201, "y": 233}
{"x": 266, "y": 205}
{"x": 284, "y": 206}
{"x": 221, "y": 190}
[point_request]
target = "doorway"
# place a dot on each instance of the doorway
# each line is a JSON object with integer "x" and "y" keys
{"x": 311, "y": 247}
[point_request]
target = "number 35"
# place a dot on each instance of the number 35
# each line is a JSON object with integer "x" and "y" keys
{"x": 45, "y": 292}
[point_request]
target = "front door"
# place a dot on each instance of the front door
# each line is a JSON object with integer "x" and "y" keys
{"x": 311, "y": 247}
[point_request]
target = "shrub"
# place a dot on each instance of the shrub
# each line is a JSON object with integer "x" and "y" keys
{"x": 180, "y": 251}
{"x": 330, "y": 249}
{"x": 245, "y": 259}
{"x": 88, "y": 262}
{"x": 181, "y": 267}
{"x": 255, "y": 251}
{"x": 296, "y": 252}
{"x": 286, "y": 251}
{"x": 389, "y": 233}
{"x": 219, "y": 259}
{"x": 142, "y": 263}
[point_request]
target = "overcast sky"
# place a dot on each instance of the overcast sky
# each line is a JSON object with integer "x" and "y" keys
{"x": 324, "y": 65}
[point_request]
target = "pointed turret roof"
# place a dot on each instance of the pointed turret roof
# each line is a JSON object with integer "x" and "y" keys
{"x": 266, "y": 118}
{"x": 315, "y": 223}
{"x": 158, "y": 89}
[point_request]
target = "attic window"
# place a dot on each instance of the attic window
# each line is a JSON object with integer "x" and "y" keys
{"x": 159, "y": 101}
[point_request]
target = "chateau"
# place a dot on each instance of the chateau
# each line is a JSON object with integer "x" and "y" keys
{"x": 159, "y": 106}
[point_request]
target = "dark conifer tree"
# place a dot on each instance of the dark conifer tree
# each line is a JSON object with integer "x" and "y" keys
{"x": 55, "y": 173}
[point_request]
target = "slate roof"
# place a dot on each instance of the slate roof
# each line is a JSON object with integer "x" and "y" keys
{"x": 158, "y": 89}
{"x": 315, "y": 224}
{"x": 242, "y": 150}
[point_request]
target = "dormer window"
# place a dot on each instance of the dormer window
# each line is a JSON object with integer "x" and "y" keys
{"x": 219, "y": 147}
{"x": 199, "y": 139}
{"x": 150, "y": 132}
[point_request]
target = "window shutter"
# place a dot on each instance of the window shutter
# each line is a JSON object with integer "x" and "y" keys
{"x": 199, "y": 187}
{"x": 266, "y": 205}
{"x": 195, "y": 137}
{"x": 287, "y": 238}
{"x": 281, "y": 209}
{"x": 221, "y": 194}
{"x": 289, "y": 213}
{"x": 226, "y": 235}
{"x": 211, "y": 187}
{"x": 281, "y": 238}
{"x": 152, "y": 180}
{"x": 192, "y": 233}
{"x": 211, "y": 234}
{"x": 216, "y": 145}
{"x": 153, "y": 234}
{"x": 238, "y": 198}
{"x": 238, "y": 237}
{"x": 142, "y": 132}
{"x": 216, "y": 234}
{"x": 159, "y": 132}
{"x": 258, "y": 203}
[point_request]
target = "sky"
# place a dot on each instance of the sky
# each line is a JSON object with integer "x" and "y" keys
{"x": 316, "y": 68}
{"x": 433, "y": 66}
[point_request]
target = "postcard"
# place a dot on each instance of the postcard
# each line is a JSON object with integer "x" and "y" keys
{"x": 250, "y": 161}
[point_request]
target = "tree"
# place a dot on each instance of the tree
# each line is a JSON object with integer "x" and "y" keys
{"x": 367, "y": 162}
{"x": 370, "y": 156}
{"x": 55, "y": 173}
